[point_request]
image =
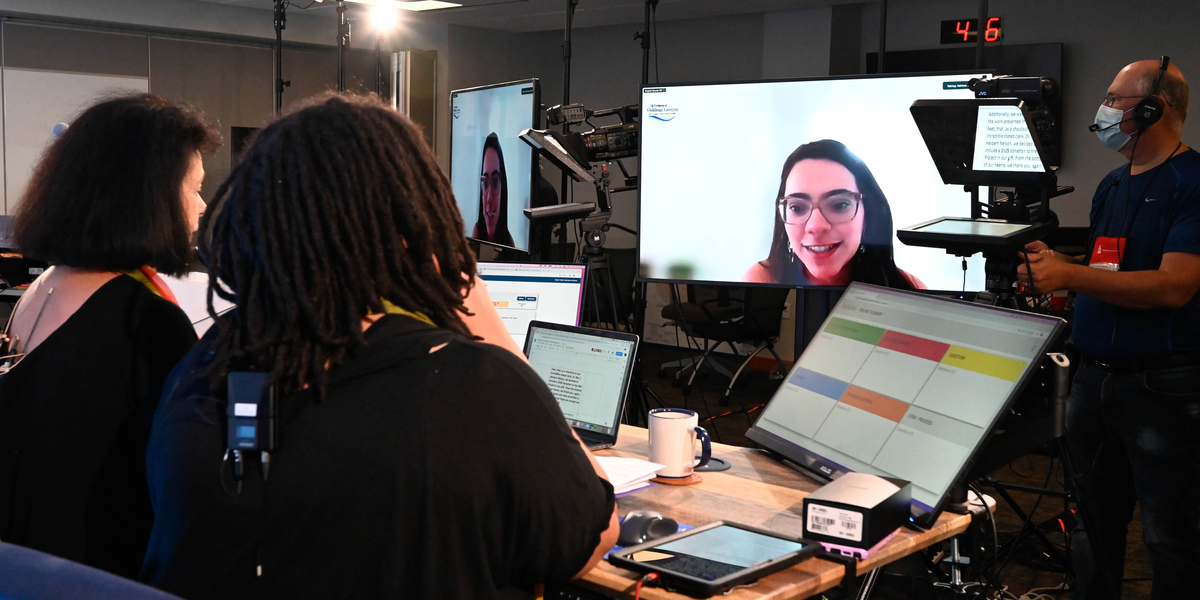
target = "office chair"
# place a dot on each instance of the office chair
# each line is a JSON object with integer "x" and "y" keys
{"x": 704, "y": 304}
{"x": 27, "y": 574}
{"x": 759, "y": 324}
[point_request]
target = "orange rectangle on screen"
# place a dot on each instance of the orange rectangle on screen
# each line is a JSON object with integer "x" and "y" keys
{"x": 915, "y": 346}
{"x": 876, "y": 404}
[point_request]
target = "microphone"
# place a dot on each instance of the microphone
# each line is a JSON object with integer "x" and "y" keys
{"x": 1094, "y": 127}
{"x": 58, "y": 130}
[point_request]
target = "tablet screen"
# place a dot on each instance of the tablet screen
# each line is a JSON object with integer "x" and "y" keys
{"x": 731, "y": 546}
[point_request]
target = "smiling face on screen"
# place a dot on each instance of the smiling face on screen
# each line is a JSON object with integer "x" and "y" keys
{"x": 823, "y": 217}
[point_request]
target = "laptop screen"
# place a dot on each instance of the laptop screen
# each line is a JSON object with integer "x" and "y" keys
{"x": 588, "y": 371}
{"x": 903, "y": 385}
{"x": 527, "y": 292}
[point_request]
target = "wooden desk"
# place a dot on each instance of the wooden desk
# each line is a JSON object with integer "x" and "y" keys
{"x": 757, "y": 490}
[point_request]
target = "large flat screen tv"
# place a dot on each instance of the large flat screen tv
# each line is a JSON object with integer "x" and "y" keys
{"x": 712, "y": 179}
{"x": 905, "y": 385}
{"x": 491, "y": 170}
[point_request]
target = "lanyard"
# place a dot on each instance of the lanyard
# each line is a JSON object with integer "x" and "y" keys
{"x": 392, "y": 309}
{"x": 149, "y": 278}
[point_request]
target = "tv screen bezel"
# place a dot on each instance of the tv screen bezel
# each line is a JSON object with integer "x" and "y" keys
{"x": 641, "y": 277}
{"x": 534, "y": 170}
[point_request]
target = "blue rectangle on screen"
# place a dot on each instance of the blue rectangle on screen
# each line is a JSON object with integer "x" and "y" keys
{"x": 818, "y": 383}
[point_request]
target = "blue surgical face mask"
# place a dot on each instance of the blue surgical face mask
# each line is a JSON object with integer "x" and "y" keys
{"x": 1109, "y": 120}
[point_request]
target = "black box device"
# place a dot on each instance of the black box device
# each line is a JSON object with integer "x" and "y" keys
{"x": 250, "y": 415}
{"x": 854, "y": 513}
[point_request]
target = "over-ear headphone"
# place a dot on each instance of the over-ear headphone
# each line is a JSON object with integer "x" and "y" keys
{"x": 1149, "y": 109}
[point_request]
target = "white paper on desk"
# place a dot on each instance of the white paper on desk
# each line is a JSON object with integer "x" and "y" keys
{"x": 627, "y": 474}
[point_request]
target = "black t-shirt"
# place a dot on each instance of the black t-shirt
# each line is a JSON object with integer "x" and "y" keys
{"x": 448, "y": 474}
{"x": 74, "y": 419}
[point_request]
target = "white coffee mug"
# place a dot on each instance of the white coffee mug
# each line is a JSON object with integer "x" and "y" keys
{"x": 673, "y": 433}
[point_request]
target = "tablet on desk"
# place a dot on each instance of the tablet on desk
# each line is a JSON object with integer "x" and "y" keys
{"x": 715, "y": 557}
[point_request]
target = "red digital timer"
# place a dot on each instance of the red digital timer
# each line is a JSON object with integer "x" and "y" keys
{"x": 965, "y": 31}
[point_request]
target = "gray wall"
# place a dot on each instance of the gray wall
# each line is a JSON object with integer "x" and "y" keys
{"x": 219, "y": 59}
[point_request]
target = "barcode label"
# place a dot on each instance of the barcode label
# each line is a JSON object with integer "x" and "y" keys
{"x": 834, "y": 522}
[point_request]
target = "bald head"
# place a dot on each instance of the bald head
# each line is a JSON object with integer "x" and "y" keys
{"x": 1173, "y": 88}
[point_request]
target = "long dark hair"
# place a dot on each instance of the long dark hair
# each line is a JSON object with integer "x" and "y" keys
{"x": 501, "y": 235}
{"x": 874, "y": 264}
{"x": 106, "y": 194}
{"x": 332, "y": 209}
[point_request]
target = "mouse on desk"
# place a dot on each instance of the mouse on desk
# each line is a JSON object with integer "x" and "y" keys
{"x": 641, "y": 526}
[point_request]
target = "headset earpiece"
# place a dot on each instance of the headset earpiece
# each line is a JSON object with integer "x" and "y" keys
{"x": 1150, "y": 109}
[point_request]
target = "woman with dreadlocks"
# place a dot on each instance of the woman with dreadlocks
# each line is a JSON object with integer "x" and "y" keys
{"x": 409, "y": 459}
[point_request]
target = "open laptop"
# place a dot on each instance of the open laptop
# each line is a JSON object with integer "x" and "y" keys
{"x": 588, "y": 370}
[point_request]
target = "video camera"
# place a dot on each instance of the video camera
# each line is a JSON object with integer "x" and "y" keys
{"x": 602, "y": 143}
{"x": 576, "y": 153}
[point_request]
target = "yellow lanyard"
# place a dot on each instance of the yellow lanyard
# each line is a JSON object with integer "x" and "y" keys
{"x": 392, "y": 309}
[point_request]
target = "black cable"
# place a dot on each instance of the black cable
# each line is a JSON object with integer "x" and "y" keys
{"x": 1024, "y": 525}
{"x": 991, "y": 518}
{"x": 305, "y": 7}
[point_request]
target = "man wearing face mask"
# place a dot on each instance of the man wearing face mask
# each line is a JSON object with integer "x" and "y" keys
{"x": 1133, "y": 417}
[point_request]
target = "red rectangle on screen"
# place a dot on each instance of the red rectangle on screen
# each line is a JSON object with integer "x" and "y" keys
{"x": 915, "y": 346}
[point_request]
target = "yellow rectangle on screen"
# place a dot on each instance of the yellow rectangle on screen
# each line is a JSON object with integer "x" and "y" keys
{"x": 1000, "y": 367}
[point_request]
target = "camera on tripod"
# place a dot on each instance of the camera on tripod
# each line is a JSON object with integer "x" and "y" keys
{"x": 1006, "y": 140}
{"x": 579, "y": 155}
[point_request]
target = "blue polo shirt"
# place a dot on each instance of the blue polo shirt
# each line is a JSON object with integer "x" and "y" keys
{"x": 1158, "y": 212}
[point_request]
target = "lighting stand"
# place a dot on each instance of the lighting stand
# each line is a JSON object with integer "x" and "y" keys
{"x": 280, "y": 25}
{"x": 644, "y": 36}
{"x": 639, "y": 287}
{"x": 565, "y": 182}
{"x": 343, "y": 43}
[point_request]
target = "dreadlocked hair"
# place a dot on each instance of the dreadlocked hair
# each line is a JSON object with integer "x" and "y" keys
{"x": 332, "y": 209}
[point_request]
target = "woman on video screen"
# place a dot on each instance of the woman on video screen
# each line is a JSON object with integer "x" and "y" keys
{"x": 832, "y": 224}
{"x": 492, "y": 225}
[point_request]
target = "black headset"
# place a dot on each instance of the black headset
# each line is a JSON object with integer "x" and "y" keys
{"x": 1150, "y": 109}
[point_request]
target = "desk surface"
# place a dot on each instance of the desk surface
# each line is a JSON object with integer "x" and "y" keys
{"x": 760, "y": 491}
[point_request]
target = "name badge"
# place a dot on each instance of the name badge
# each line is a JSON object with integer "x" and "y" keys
{"x": 1107, "y": 252}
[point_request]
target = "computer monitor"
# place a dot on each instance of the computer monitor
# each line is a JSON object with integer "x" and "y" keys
{"x": 492, "y": 171}
{"x": 531, "y": 292}
{"x": 712, "y": 156}
{"x": 905, "y": 385}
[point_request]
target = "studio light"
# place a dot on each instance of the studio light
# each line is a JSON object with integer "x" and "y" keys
{"x": 413, "y": 6}
{"x": 384, "y": 16}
